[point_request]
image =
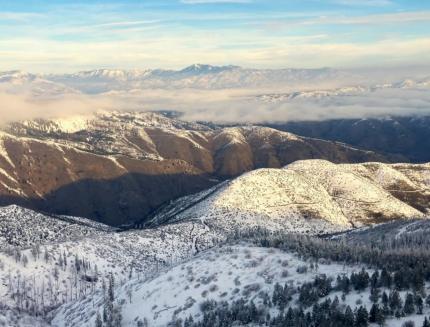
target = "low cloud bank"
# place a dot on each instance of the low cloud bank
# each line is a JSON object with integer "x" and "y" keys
{"x": 243, "y": 107}
{"x": 222, "y": 106}
{"x": 20, "y": 107}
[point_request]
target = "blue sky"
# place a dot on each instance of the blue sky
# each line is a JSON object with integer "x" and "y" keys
{"x": 70, "y": 35}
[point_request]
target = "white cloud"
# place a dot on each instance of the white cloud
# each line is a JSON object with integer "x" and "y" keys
{"x": 19, "y": 16}
{"x": 19, "y": 107}
{"x": 126, "y": 23}
{"x": 373, "y": 19}
{"x": 371, "y": 3}
{"x": 231, "y": 105}
{"x": 401, "y": 17}
{"x": 152, "y": 52}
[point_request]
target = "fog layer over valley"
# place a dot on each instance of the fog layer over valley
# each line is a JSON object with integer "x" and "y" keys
{"x": 222, "y": 94}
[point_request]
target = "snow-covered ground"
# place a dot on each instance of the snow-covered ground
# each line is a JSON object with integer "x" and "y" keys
{"x": 13, "y": 318}
{"x": 223, "y": 273}
{"x": 60, "y": 272}
{"x": 226, "y": 273}
{"x": 23, "y": 228}
{"x": 69, "y": 263}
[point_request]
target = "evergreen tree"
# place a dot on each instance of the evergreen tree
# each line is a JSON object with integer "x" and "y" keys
{"x": 385, "y": 303}
{"x": 189, "y": 321}
{"x": 374, "y": 279}
{"x": 374, "y": 295}
{"x": 385, "y": 278}
{"x": 361, "y": 317}
{"x": 376, "y": 315}
{"x": 395, "y": 301}
{"x": 349, "y": 317}
{"x": 400, "y": 280}
{"x": 428, "y": 300}
{"x": 111, "y": 294}
{"x": 417, "y": 281}
{"x": 419, "y": 303}
{"x": 409, "y": 307}
{"x": 380, "y": 318}
{"x": 373, "y": 312}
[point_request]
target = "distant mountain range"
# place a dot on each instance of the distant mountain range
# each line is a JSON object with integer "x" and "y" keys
{"x": 337, "y": 82}
{"x": 194, "y": 76}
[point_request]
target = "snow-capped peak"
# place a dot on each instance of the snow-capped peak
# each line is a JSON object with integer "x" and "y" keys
{"x": 206, "y": 69}
{"x": 16, "y": 77}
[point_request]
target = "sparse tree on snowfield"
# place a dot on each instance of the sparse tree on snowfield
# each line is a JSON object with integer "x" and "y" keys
{"x": 117, "y": 316}
{"x": 99, "y": 322}
{"x": 419, "y": 303}
{"x": 24, "y": 260}
{"x": 189, "y": 321}
{"x": 46, "y": 255}
{"x": 111, "y": 294}
{"x": 374, "y": 294}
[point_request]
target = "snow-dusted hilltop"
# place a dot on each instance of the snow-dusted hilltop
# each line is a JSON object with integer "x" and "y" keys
{"x": 342, "y": 195}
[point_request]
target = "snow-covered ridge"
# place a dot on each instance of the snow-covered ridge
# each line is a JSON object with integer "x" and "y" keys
{"x": 342, "y": 195}
{"x": 353, "y": 90}
{"x": 34, "y": 85}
